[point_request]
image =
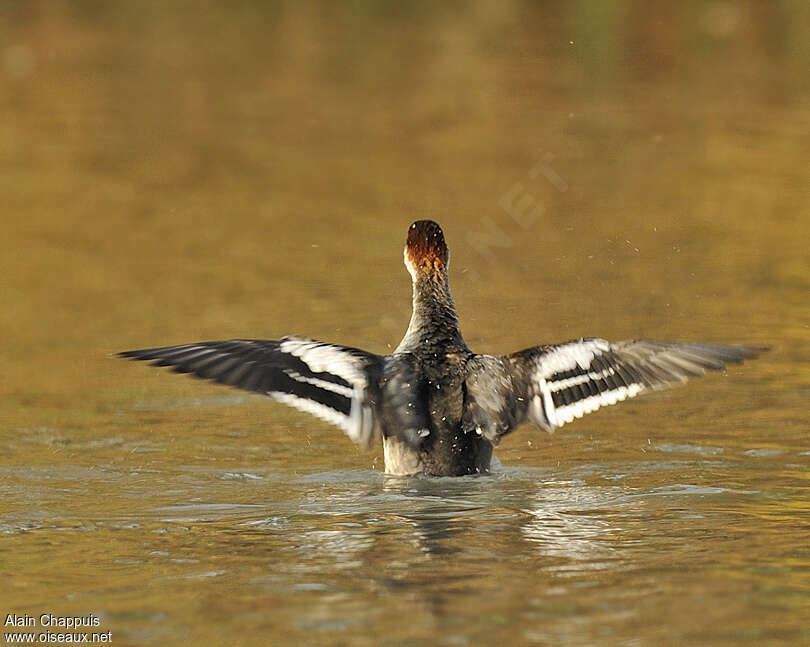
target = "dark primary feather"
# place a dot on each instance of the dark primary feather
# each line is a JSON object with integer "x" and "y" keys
{"x": 335, "y": 383}
{"x": 243, "y": 363}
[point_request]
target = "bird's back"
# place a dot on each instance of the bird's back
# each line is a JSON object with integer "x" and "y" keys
{"x": 436, "y": 399}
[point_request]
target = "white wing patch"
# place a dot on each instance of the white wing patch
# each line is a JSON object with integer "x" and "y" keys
{"x": 559, "y": 416}
{"x": 325, "y": 358}
{"x": 541, "y": 408}
{"x": 323, "y": 412}
{"x": 358, "y": 425}
{"x": 552, "y": 376}
{"x": 559, "y": 385}
{"x": 570, "y": 356}
{"x": 338, "y": 361}
{"x": 323, "y": 384}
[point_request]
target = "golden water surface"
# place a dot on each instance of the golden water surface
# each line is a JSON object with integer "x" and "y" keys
{"x": 173, "y": 172}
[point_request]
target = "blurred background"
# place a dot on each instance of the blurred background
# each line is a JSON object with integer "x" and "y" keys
{"x": 172, "y": 172}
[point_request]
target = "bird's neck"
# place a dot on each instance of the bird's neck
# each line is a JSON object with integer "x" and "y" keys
{"x": 434, "y": 322}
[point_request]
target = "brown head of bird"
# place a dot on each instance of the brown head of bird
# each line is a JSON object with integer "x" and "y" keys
{"x": 426, "y": 253}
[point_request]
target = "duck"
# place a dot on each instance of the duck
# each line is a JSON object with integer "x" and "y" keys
{"x": 439, "y": 408}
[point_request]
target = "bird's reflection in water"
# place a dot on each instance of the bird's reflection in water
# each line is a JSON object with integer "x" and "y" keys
{"x": 443, "y": 516}
{"x": 521, "y": 513}
{"x": 439, "y": 542}
{"x": 440, "y": 512}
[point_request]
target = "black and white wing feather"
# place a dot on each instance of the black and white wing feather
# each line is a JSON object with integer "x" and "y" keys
{"x": 567, "y": 381}
{"x": 335, "y": 383}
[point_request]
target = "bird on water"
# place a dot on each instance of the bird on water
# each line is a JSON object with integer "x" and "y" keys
{"x": 440, "y": 408}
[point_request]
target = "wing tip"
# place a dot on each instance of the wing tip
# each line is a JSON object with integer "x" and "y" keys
{"x": 131, "y": 354}
{"x": 153, "y": 355}
{"x": 752, "y": 352}
{"x": 736, "y": 354}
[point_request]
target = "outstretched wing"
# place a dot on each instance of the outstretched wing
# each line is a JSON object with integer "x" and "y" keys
{"x": 565, "y": 382}
{"x": 335, "y": 383}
